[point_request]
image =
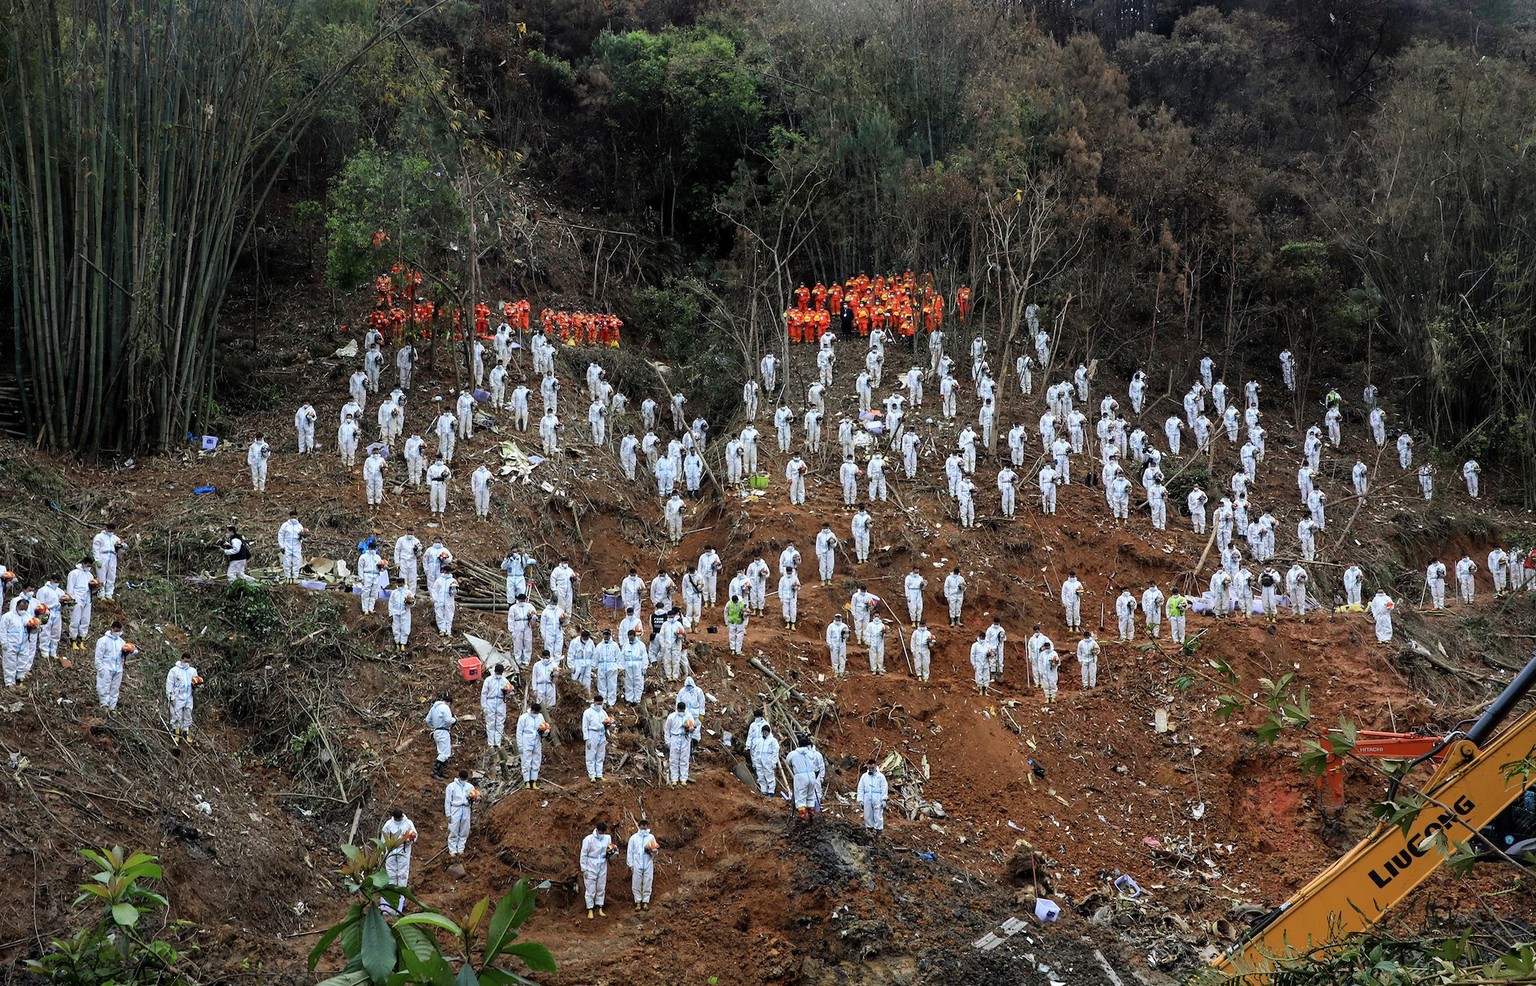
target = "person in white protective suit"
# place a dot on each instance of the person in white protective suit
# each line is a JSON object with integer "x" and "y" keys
{"x": 179, "y": 682}
{"x": 595, "y": 723}
{"x": 873, "y": 793}
{"x": 459, "y": 799}
{"x": 532, "y": 732}
{"x": 399, "y": 834}
{"x": 808, "y": 769}
{"x": 678, "y": 732}
{"x": 763, "y": 750}
{"x": 111, "y": 649}
{"x": 641, "y": 856}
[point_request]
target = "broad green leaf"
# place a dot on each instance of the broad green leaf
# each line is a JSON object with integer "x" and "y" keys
{"x": 434, "y": 919}
{"x": 378, "y": 952}
{"x": 1314, "y": 759}
{"x": 497, "y": 935}
{"x": 431, "y": 971}
{"x": 352, "y": 936}
{"x": 537, "y": 957}
{"x": 466, "y": 976}
{"x": 1228, "y": 706}
{"x": 125, "y": 914}
{"x": 476, "y": 915}
{"x": 355, "y": 977}
{"x": 354, "y": 914}
{"x": 416, "y": 941}
{"x": 526, "y": 902}
{"x": 495, "y": 975}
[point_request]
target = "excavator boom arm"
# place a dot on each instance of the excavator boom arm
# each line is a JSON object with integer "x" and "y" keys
{"x": 1470, "y": 788}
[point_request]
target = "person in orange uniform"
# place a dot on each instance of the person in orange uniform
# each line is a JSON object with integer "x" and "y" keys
{"x": 963, "y": 301}
{"x": 819, "y": 296}
{"x": 423, "y": 313}
{"x": 385, "y": 288}
{"x": 835, "y": 298}
{"x": 802, "y": 297}
{"x": 379, "y": 319}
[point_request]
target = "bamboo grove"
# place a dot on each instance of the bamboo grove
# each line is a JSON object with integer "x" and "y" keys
{"x": 140, "y": 141}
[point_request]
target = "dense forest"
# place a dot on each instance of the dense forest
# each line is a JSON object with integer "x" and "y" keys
{"x": 1352, "y": 179}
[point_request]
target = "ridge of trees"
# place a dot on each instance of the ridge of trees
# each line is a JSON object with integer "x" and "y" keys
{"x": 1349, "y": 179}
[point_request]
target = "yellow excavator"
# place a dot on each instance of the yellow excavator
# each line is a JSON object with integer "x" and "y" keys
{"x": 1479, "y": 776}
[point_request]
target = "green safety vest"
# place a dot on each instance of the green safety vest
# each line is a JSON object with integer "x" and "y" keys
{"x": 1176, "y": 606}
{"x": 735, "y": 613}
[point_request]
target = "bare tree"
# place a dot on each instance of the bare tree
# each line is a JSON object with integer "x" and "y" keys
{"x": 1027, "y": 242}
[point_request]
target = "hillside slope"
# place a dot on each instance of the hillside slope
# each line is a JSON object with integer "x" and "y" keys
{"x": 310, "y": 725}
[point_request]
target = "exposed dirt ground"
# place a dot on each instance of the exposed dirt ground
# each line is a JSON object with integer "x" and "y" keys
{"x": 1202, "y": 816}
